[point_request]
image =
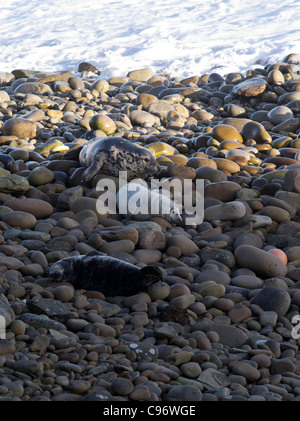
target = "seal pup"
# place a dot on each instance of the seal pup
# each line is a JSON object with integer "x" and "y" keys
{"x": 107, "y": 274}
{"x": 147, "y": 199}
{"x": 110, "y": 155}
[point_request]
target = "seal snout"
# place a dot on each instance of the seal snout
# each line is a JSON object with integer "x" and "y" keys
{"x": 155, "y": 167}
{"x": 57, "y": 273}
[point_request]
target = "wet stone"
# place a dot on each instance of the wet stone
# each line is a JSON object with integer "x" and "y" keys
{"x": 184, "y": 393}
{"x": 213, "y": 379}
{"x": 273, "y": 299}
{"x": 228, "y": 335}
{"x": 250, "y": 88}
{"x": 245, "y": 369}
{"x": 144, "y": 351}
{"x": 48, "y": 306}
{"x": 121, "y": 386}
{"x": 268, "y": 318}
{"x": 25, "y": 366}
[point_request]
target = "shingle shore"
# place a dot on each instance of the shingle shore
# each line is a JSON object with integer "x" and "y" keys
{"x": 220, "y": 324}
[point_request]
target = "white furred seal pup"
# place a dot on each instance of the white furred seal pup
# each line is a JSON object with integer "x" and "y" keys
{"x": 151, "y": 202}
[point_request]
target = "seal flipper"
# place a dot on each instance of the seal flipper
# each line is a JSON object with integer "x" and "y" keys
{"x": 73, "y": 154}
{"x": 94, "y": 168}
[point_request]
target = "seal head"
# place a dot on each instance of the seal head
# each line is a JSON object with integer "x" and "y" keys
{"x": 107, "y": 274}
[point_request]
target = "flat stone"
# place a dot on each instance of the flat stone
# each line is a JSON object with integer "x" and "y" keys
{"x": 11, "y": 262}
{"x": 163, "y": 332}
{"x": 292, "y": 180}
{"x": 268, "y": 318}
{"x": 228, "y": 335}
{"x": 226, "y": 132}
{"x": 248, "y": 238}
{"x": 33, "y": 88}
{"x": 37, "y": 321}
{"x": 290, "y": 125}
{"x": 159, "y": 290}
{"x": 186, "y": 245}
{"x": 140, "y": 118}
{"x": 152, "y": 240}
{"x": 125, "y": 246}
{"x": 222, "y": 256}
{"x": 282, "y": 366}
{"x": 48, "y": 306}
{"x": 224, "y": 190}
{"x": 13, "y": 233}
{"x": 25, "y": 366}
{"x": 161, "y": 108}
{"x": 247, "y": 281}
{"x": 260, "y": 261}
{"x": 213, "y": 379}
{"x": 212, "y": 174}
{"x": 140, "y": 393}
{"x": 20, "y": 219}
{"x": 280, "y": 114}
{"x": 210, "y": 288}
{"x": 86, "y": 203}
{"x": 36, "y": 207}
{"x": 40, "y": 344}
{"x": 243, "y": 368}
{"x": 213, "y": 275}
{"x": 183, "y": 301}
{"x": 120, "y": 233}
{"x": 33, "y": 269}
{"x": 191, "y": 369}
{"x": 40, "y": 175}
{"x": 13, "y": 183}
{"x": 239, "y": 314}
{"x": 144, "y": 226}
{"x": 250, "y": 87}
{"x": 291, "y": 198}
{"x": 20, "y": 127}
{"x": 276, "y": 214}
{"x": 108, "y": 309}
{"x": 141, "y": 75}
{"x": 185, "y": 393}
{"x": 225, "y": 211}
{"x": 273, "y": 299}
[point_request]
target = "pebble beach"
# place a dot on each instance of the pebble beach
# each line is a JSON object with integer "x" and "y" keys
{"x": 220, "y": 326}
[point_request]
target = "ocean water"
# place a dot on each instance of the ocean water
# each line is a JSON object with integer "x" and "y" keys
{"x": 182, "y": 38}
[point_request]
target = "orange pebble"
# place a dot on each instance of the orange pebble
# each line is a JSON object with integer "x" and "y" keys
{"x": 279, "y": 253}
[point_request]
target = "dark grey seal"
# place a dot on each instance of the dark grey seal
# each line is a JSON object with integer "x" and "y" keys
{"x": 110, "y": 155}
{"x": 107, "y": 274}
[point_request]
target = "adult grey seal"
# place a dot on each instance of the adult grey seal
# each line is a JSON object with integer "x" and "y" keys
{"x": 107, "y": 274}
{"x": 110, "y": 155}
